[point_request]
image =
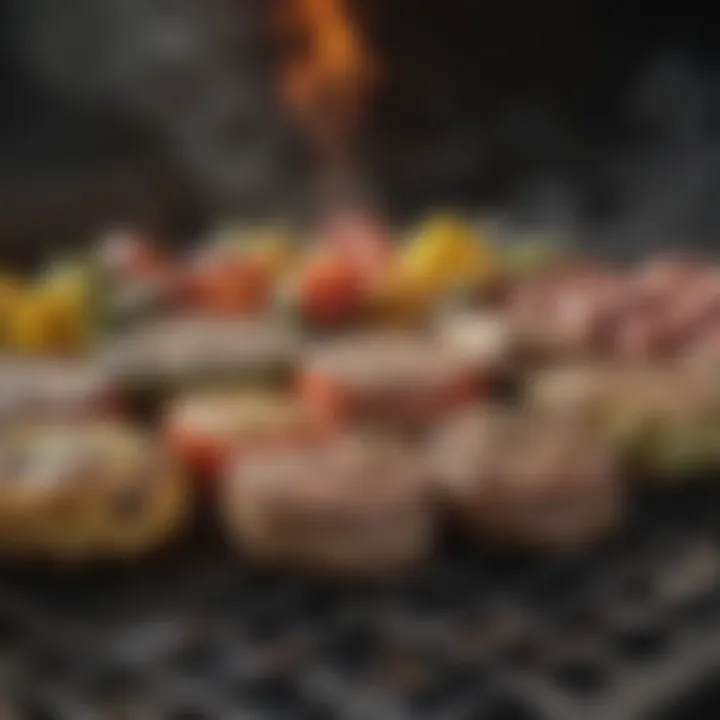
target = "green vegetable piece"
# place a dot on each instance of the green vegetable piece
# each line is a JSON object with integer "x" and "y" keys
{"x": 529, "y": 257}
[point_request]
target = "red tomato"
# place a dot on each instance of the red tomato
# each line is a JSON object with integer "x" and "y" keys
{"x": 203, "y": 454}
{"x": 362, "y": 237}
{"x": 229, "y": 286}
{"x": 331, "y": 290}
{"x": 178, "y": 287}
{"x": 207, "y": 449}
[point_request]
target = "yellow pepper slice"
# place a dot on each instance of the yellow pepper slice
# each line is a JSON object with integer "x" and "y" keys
{"x": 274, "y": 248}
{"x": 53, "y": 316}
{"x": 10, "y": 292}
{"x": 447, "y": 252}
{"x": 29, "y": 325}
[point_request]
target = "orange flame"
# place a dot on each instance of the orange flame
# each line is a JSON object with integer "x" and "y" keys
{"x": 326, "y": 79}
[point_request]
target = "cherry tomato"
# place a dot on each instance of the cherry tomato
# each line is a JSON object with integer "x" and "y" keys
{"x": 331, "y": 289}
{"x": 205, "y": 443}
{"x": 229, "y": 286}
{"x": 362, "y": 237}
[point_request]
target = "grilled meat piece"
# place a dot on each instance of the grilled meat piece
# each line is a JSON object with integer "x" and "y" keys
{"x": 517, "y": 478}
{"x": 351, "y": 508}
{"x": 663, "y": 420}
{"x": 388, "y": 381}
{"x": 54, "y": 389}
{"x": 172, "y": 354}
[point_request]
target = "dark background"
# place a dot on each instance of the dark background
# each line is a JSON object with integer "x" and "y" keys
{"x": 595, "y": 116}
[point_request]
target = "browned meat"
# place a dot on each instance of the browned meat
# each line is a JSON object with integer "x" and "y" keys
{"x": 662, "y": 420}
{"x": 570, "y": 317}
{"x": 189, "y": 349}
{"x": 396, "y": 382}
{"x": 521, "y": 479}
{"x": 353, "y": 508}
{"x": 45, "y": 389}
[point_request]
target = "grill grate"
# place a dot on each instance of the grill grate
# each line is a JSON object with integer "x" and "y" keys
{"x": 631, "y": 630}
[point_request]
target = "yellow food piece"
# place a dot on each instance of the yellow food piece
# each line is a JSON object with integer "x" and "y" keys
{"x": 398, "y": 302}
{"x": 272, "y": 246}
{"x": 29, "y": 325}
{"x": 274, "y": 249}
{"x": 9, "y": 296}
{"x": 445, "y": 253}
{"x": 52, "y": 317}
{"x": 69, "y": 297}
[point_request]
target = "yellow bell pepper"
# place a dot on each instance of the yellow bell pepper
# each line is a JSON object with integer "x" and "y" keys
{"x": 445, "y": 253}
{"x": 399, "y": 300}
{"x": 10, "y": 292}
{"x": 53, "y": 315}
{"x": 274, "y": 249}
{"x": 70, "y": 293}
{"x": 29, "y": 325}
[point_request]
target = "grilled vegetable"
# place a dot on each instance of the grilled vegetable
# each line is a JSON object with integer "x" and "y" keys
{"x": 86, "y": 492}
{"x": 53, "y": 315}
{"x": 662, "y": 420}
{"x": 362, "y": 238}
{"x": 204, "y": 430}
{"x": 230, "y": 286}
{"x": 330, "y": 290}
{"x": 135, "y": 282}
{"x": 444, "y": 254}
{"x": 10, "y": 295}
{"x": 274, "y": 250}
{"x": 531, "y": 257}
{"x": 444, "y": 257}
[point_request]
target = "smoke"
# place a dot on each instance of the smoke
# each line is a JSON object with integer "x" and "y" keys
{"x": 660, "y": 182}
{"x": 669, "y": 185}
{"x": 196, "y": 72}
{"x": 200, "y": 74}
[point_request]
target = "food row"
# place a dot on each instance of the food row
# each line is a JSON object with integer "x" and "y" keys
{"x": 297, "y": 487}
{"x": 515, "y": 394}
{"x": 347, "y": 461}
{"x": 354, "y": 273}
{"x": 351, "y": 271}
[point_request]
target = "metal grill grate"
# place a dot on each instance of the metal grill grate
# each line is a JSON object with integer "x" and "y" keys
{"x": 631, "y": 630}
